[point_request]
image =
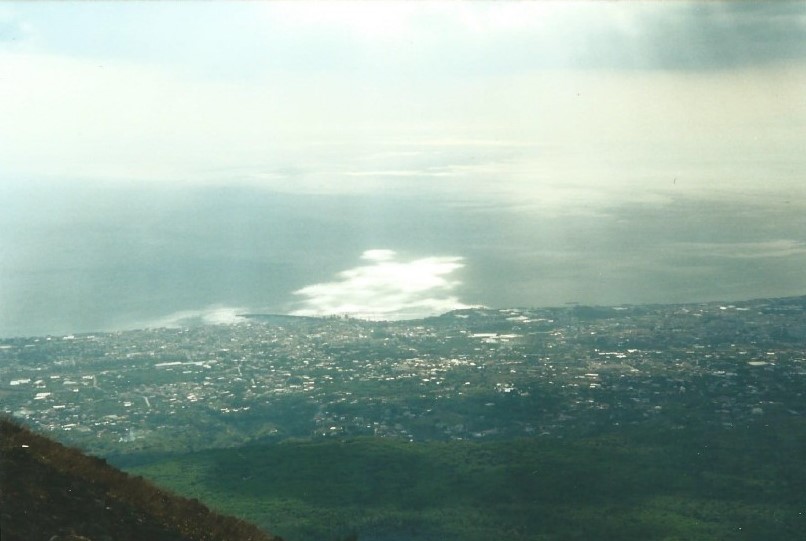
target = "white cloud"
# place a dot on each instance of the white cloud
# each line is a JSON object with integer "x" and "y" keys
{"x": 368, "y": 20}
{"x": 386, "y": 289}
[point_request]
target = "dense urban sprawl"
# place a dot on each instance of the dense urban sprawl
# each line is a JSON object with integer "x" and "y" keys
{"x": 470, "y": 374}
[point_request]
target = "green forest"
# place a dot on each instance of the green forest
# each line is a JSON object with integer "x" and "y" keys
{"x": 638, "y": 483}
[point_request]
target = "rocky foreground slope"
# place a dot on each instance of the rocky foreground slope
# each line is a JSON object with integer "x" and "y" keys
{"x": 51, "y": 492}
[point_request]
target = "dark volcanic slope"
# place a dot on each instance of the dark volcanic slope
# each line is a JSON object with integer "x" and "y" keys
{"x": 48, "y": 491}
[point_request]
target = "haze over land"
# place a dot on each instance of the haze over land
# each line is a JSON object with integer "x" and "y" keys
{"x": 165, "y": 163}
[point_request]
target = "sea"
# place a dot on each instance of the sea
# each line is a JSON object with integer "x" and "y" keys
{"x": 80, "y": 257}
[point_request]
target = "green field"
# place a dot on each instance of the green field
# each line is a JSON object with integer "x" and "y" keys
{"x": 637, "y": 483}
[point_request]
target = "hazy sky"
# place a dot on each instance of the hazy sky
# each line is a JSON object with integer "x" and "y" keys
{"x": 555, "y": 97}
{"x": 397, "y": 157}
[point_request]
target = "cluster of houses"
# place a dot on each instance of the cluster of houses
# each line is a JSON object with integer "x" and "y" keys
{"x": 476, "y": 373}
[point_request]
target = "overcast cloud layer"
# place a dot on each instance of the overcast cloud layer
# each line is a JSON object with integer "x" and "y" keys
{"x": 544, "y": 99}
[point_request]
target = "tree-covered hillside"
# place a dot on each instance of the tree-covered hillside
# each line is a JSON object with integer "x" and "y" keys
{"x": 639, "y": 484}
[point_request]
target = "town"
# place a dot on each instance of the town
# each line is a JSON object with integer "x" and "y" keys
{"x": 471, "y": 374}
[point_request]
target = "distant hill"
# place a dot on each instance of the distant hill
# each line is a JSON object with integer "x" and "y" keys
{"x": 50, "y": 492}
